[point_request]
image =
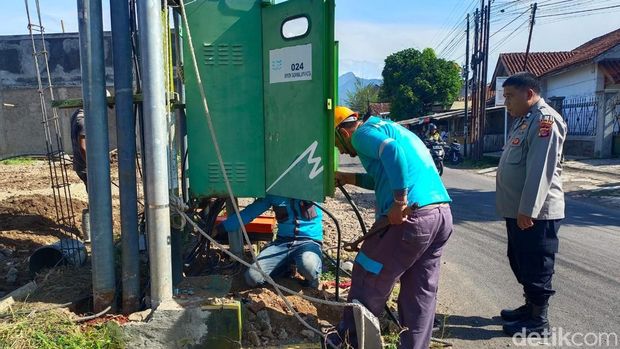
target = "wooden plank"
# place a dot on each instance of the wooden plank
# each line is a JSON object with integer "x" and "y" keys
{"x": 17, "y": 296}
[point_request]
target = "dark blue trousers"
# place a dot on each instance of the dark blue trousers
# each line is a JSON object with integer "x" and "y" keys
{"x": 531, "y": 254}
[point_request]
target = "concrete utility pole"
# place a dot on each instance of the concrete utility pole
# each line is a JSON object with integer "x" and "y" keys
{"x": 155, "y": 150}
{"x": 475, "y": 82}
{"x": 480, "y": 84}
{"x": 529, "y": 39}
{"x": 485, "y": 70}
{"x": 465, "y": 120}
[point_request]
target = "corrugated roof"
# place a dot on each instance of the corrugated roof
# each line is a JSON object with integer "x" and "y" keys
{"x": 538, "y": 63}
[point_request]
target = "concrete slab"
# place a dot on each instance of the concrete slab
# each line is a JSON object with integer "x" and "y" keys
{"x": 170, "y": 326}
{"x": 194, "y": 319}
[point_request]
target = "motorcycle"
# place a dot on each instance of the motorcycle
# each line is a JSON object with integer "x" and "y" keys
{"x": 437, "y": 152}
{"x": 454, "y": 153}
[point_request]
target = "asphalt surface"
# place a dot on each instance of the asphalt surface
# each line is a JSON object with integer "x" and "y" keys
{"x": 476, "y": 280}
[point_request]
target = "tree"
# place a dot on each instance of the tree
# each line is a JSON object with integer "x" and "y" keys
{"x": 413, "y": 81}
{"x": 362, "y": 95}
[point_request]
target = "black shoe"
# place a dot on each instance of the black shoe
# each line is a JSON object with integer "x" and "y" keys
{"x": 521, "y": 313}
{"x": 536, "y": 322}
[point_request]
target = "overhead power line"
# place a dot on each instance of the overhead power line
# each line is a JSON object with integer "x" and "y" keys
{"x": 582, "y": 11}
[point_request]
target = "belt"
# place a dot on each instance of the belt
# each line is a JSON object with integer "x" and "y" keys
{"x": 383, "y": 224}
{"x": 431, "y": 207}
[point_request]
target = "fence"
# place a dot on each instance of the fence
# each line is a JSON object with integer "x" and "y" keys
{"x": 615, "y": 107}
{"x": 580, "y": 114}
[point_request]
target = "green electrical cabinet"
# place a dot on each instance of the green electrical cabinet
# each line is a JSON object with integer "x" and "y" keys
{"x": 270, "y": 79}
{"x": 227, "y": 40}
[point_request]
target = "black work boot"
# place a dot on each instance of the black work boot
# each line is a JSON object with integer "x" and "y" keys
{"x": 536, "y": 322}
{"x": 521, "y": 313}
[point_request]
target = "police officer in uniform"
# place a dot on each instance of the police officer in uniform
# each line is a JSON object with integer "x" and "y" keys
{"x": 531, "y": 199}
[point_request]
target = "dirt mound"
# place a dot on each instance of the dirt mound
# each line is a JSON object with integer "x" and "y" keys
{"x": 36, "y": 213}
{"x": 270, "y": 321}
{"x": 27, "y": 223}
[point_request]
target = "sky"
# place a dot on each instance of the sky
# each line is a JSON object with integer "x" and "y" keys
{"x": 370, "y": 30}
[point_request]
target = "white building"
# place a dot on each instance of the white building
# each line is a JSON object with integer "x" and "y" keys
{"x": 585, "y": 84}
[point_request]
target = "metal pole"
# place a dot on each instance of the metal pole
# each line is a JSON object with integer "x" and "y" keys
{"x": 465, "y": 122}
{"x": 481, "y": 84}
{"x": 180, "y": 89}
{"x": 475, "y": 83}
{"x": 235, "y": 238}
{"x": 155, "y": 150}
{"x": 485, "y": 71}
{"x": 180, "y": 143}
{"x": 173, "y": 173}
{"x": 529, "y": 39}
{"x": 126, "y": 139}
{"x": 97, "y": 145}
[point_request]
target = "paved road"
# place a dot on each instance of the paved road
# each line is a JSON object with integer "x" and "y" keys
{"x": 476, "y": 280}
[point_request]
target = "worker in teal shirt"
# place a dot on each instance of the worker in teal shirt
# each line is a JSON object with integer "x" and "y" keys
{"x": 298, "y": 241}
{"x": 410, "y": 195}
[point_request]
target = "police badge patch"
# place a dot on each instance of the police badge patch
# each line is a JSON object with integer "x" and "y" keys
{"x": 544, "y": 130}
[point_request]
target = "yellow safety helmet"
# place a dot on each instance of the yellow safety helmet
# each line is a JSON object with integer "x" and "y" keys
{"x": 343, "y": 113}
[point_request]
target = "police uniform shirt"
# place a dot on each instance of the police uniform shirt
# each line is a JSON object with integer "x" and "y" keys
{"x": 529, "y": 172}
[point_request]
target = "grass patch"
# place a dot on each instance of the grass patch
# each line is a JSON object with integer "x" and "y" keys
{"x": 391, "y": 340}
{"x": 328, "y": 275}
{"x": 54, "y": 329}
{"x": 20, "y": 160}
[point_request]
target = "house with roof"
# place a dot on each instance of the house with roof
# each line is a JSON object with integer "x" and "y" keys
{"x": 583, "y": 85}
{"x": 379, "y": 109}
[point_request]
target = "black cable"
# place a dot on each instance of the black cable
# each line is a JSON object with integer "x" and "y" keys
{"x": 338, "y": 250}
{"x": 209, "y": 224}
{"x": 355, "y": 209}
{"x": 579, "y": 11}
{"x": 387, "y": 309}
{"x": 183, "y": 175}
{"x": 509, "y": 23}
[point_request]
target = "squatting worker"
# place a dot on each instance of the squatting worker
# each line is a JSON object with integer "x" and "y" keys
{"x": 299, "y": 238}
{"x": 78, "y": 144}
{"x": 530, "y": 198}
{"x": 402, "y": 173}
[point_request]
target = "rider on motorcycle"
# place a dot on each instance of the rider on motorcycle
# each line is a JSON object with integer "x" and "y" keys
{"x": 433, "y": 133}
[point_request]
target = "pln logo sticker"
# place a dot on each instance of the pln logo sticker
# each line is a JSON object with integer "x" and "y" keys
{"x": 276, "y": 64}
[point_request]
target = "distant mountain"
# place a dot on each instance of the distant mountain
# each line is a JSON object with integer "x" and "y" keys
{"x": 346, "y": 84}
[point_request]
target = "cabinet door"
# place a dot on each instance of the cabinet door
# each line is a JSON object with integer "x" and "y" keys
{"x": 299, "y": 91}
